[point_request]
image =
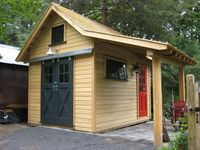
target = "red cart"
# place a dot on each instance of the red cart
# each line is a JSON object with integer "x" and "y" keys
{"x": 178, "y": 108}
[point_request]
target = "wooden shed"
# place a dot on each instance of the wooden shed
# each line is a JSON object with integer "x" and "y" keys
{"x": 85, "y": 75}
{"x": 13, "y": 79}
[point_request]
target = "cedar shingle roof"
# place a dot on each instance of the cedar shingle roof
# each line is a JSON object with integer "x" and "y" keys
{"x": 90, "y": 28}
{"x": 85, "y": 23}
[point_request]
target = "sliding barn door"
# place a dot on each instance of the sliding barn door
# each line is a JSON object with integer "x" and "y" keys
{"x": 57, "y": 92}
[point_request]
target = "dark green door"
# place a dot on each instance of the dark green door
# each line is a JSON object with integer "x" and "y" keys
{"x": 57, "y": 104}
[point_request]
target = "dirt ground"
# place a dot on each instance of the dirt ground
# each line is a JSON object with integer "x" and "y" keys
{"x": 7, "y": 129}
{"x": 23, "y": 137}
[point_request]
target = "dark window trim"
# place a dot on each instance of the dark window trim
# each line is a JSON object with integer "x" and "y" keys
{"x": 57, "y": 43}
{"x": 117, "y": 60}
{"x": 61, "y": 42}
{"x": 47, "y": 74}
{"x": 64, "y": 72}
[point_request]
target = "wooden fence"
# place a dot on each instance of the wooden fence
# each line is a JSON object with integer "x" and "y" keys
{"x": 193, "y": 105}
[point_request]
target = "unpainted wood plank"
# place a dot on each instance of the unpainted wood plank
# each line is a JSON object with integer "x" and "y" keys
{"x": 80, "y": 128}
{"x": 83, "y": 111}
{"x": 83, "y": 124}
{"x": 104, "y": 122}
{"x": 81, "y": 115}
{"x": 34, "y": 93}
{"x": 191, "y": 115}
{"x": 157, "y": 101}
{"x": 83, "y": 93}
{"x": 113, "y": 124}
{"x": 114, "y": 98}
{"x": 81, "y": 85}
{"x": 74, "y": 40}
{"x": 181, "y": 78}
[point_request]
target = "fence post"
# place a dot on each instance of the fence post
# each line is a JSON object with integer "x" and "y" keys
{"x": 197, "y": 117}
{"x": 191, "y": 115}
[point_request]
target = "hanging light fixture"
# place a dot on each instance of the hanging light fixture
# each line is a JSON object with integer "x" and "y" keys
{"x": 49, "y": 52}
{"x": 136, "y": 68}
{"x": 52, "y": 51}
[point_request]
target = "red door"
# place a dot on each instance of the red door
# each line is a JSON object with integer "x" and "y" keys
{"x": 142, "y": 91}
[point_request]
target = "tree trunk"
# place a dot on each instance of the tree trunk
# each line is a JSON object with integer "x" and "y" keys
{"x": 104, "y": 11}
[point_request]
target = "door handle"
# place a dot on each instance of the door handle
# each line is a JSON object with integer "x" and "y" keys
{"x": 56, "y": 87}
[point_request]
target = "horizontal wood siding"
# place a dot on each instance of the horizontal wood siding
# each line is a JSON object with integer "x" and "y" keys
{"x": 116, "y": 101}
{"x": 34, "y": 90}
{"x": 74, "y": 40}
{"x": 82, "y": 72}
{"x": 83, "y": 92}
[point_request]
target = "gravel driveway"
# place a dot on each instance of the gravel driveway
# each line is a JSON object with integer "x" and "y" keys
{"x": 41, "y": 138}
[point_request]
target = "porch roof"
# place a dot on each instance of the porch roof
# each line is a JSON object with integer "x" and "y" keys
{"x": 90, "y": 28}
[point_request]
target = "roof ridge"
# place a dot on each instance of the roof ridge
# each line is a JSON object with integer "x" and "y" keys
{"x": 85, "y": 17}
{"x": 90, "y": 28}
{"x": 117, "y": 33}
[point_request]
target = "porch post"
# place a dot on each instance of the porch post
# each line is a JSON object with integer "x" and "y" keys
{"x": 181, "y": 78}
{"x": 157, "y": 101}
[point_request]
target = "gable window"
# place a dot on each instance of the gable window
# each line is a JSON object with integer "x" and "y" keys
{"x": 116, "y": 69}
{"x": 57, "y": 35}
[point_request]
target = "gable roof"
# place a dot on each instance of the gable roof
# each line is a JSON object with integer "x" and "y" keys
{"x": 90, "y": 28}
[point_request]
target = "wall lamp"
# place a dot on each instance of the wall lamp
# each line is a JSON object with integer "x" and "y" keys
{"x": 136, "y": 68}
{"x": 51, "y": 51}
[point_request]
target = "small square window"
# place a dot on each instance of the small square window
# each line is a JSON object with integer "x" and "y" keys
{"x": 57, "y": 35}
{"x": 48, "y": 74}
{"x": 116, "y": 69}
{"x": 64, "y": 73}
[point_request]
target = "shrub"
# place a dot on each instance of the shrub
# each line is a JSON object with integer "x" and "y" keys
{"x": 180, "y": 141}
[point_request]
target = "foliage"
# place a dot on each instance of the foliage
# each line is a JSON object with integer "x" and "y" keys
{"x": 195, "y": 69}
{"x": 169, "y": 86}
{"x": 17, "y": 19}
{"x": 171, "y": 21}
{"x": 163, "y": 148}
{"x": 181, "y": 138}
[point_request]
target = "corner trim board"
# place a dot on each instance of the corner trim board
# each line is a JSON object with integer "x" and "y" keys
{"x": 66, "y": 54}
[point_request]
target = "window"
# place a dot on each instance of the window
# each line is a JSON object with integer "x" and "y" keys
{"x": 57, "y": 35}
{"x": 142, "y": 79}
{"x": 64, "y": 73}
{"x": 116, "y": 69}
{"x": 48, "y": 74}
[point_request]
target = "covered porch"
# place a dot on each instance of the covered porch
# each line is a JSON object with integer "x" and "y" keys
{"x": 170, "y": 56}
{"x": 136, "y": 132}
{"x": 154, "y": 54}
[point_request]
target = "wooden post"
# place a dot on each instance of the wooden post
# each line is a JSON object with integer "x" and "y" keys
{"x": 197, "y": 117}
{"x": 157, "y": 101}
{"x": 181, "y": 78}
{"x": 191, "y": 115}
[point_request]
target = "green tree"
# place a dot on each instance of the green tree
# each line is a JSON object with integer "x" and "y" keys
{"x": 17, "y": 19}
{"x": 175, "y": 21}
